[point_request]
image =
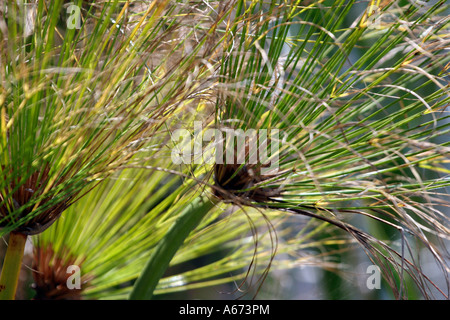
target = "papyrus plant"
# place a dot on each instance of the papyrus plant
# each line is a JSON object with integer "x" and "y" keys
{"x": 130, "y": 214}
{"x": 80, "y": 95}
{"x": 359, "y": 104}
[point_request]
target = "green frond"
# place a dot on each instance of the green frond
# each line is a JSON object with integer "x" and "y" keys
{"x": 78, "y": 102}
{"x": 360, "y": 111}
{"x": 341, "y": 103}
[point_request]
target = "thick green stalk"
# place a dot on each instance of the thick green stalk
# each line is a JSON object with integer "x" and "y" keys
{"x": 11, "y": 266}
{"x": 159, "y": 261}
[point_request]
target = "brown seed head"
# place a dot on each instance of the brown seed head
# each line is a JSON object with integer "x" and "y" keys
{"x": 51, "y": 276}
{"x": 23, "y": 194}
{"x": 239, "y": 179}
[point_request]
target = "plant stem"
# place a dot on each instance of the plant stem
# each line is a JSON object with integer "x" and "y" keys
{"x": 159, "y": 261}
{"x": 11, "y": 266}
